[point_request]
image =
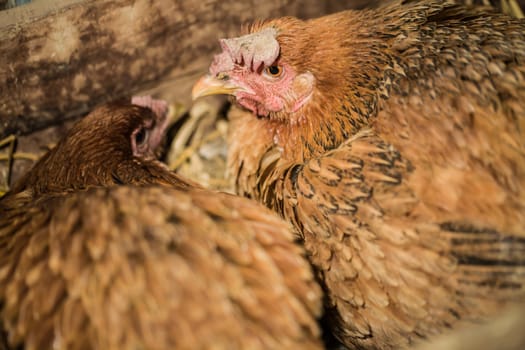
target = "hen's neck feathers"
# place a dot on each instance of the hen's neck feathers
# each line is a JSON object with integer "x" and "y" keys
{"x": 347, "y": 61}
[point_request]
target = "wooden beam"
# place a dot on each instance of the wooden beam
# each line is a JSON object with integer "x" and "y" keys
{"x": 60, "y": 58}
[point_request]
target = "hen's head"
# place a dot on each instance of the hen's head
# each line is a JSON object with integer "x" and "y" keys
{"x": 128, "y": 130}
{"x": 115, "y": 132}
{"x": 263, "y": 69}
{"x": 301, "y": 79}
{"x": 106, "y": 147}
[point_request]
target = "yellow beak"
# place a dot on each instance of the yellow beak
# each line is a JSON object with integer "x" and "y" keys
{"x": 209, "y": 85}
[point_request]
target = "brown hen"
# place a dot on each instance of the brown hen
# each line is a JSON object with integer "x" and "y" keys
{"x": 394, "y": 141}
{"x": 114, "y": 144}
{"x": 92, "y": 262}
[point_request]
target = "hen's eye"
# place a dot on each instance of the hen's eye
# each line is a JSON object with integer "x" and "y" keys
{"x": 274, "y": 71}
{"x": 140, "y": 136}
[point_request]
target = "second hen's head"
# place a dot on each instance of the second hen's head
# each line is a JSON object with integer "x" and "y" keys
{"x": 114, "y": 144}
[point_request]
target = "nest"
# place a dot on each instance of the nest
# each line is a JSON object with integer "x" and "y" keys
{"x": 197, "y": 146}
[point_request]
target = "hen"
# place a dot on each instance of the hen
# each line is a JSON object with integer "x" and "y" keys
{"x": 101, "y": 247}
{"x": 394, "y": 140}
{"x": 114, "y": 144}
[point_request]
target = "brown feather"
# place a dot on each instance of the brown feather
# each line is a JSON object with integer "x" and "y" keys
{"x": 148, "y": 276}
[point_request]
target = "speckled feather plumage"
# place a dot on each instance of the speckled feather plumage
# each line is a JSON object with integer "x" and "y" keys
{"x": 129, "y": 268}
{"x": 405, "y": 173}
{"x": 145, "y": 259}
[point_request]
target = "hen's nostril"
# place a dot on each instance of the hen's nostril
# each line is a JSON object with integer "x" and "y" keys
{"x": 223, "y": 76}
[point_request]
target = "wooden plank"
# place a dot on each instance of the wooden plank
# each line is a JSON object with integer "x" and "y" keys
{"x": 60, "y": 58}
